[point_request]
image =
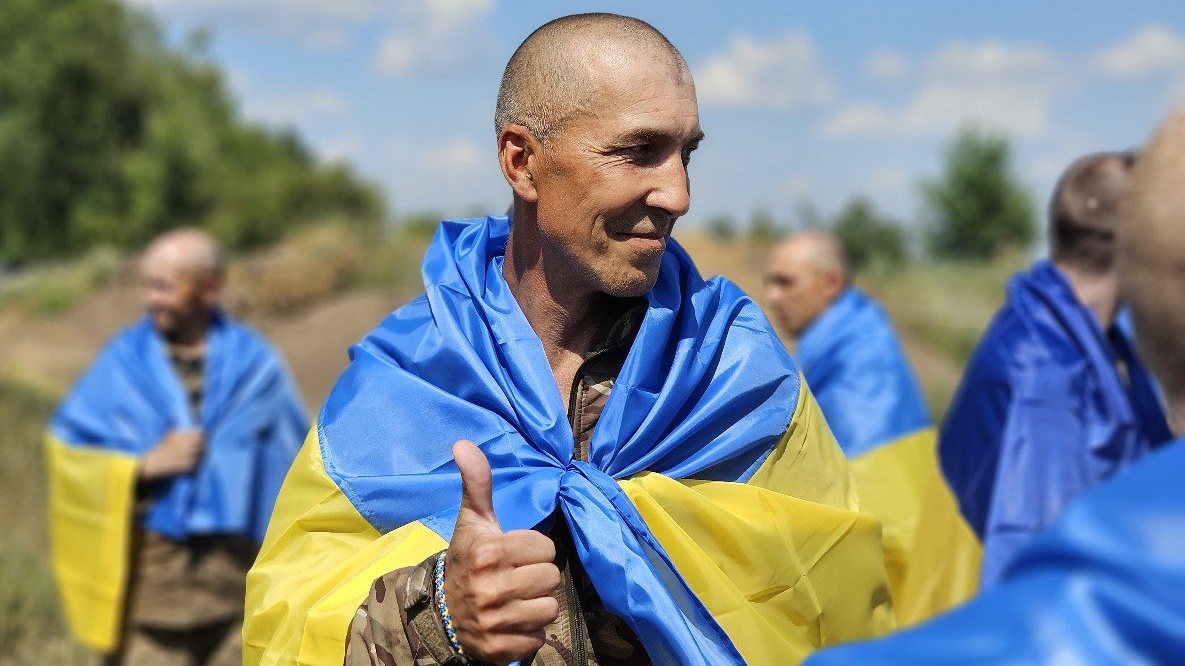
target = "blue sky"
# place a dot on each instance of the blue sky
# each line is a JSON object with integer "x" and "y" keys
{"x": 800, "y": 101}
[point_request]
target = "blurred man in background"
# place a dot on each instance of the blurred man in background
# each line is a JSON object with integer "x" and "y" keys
{"x": 851, "y": 357}
{"x": 1054, "y": 398}
{"x": 1105, "y": 584}
{"x": 165, "y": 461}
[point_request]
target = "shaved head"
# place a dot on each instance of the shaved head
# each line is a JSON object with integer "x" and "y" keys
{"x": 1084, "y": 211}
{"x": 547, "y": 80}
{"x": 192, "y": 250}
{"x": 1152, "y": 259}
{"x": 805, "y": 273}
{"x": 818, "y": 247}
{"x": 181, "y": 277}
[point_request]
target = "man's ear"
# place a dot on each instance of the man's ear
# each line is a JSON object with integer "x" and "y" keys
{"x": 211, "y": 288}
{"x": 517, "y": 154}
{"x": 834, "y": 281}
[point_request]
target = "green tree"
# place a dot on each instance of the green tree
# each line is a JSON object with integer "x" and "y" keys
{"x": 108, "y": 135}
{"x": 870, "y": 239}
{"x": 764, "y": 230}
{"x": 722, "y": 227}
{"x": 978, "y": 206}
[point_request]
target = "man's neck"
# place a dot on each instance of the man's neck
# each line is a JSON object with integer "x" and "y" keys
{"x": 189, "y": 340}
{"x": 566, "y": 320}
{"x": 1098, "y": 293}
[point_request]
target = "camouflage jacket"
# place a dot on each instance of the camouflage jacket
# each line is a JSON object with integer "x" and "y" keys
{"x": 399, "y": 622}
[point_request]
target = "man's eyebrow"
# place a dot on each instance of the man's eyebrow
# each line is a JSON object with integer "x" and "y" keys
{"x": 647, "y": 135}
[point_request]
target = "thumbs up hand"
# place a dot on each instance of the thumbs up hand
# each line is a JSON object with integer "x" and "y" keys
{"x": 500, "y": 586}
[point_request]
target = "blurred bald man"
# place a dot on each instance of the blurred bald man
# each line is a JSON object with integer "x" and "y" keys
{"x": 166, "y": 458}
{"x": 852, "y": 359}
{"x": 1054, "y": 398}
{"x": 845, "y": 344}
{"x": 1105, "y": 584}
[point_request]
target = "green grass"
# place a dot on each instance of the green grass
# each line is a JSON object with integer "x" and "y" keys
{"x": 31, "y": 629}
{"x": 51, "y": 289}
{"x": 943, "y": 308}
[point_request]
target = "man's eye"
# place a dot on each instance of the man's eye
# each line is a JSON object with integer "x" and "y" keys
{"x": 640, "y": 151}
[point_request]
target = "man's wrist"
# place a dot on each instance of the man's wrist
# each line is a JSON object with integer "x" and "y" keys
{"x": 423, "y": 616}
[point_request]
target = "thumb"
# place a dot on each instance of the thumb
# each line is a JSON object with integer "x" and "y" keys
{"x": 477, "y": 485}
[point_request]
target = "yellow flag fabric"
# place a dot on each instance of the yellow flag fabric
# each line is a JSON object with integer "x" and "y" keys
{"x": 945, "y": 558}
{"x": 892, "y": 480}
{"x": 784, "y": 562}
{"x": 91, "y": 500}
{"x": 318, "y": 561}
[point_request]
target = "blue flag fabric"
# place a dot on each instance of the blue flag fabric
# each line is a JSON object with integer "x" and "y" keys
{"x": 1042, "y": 414}
{"x": 854, "y": 364}
{"x": 252, "y": 418}
{"x": 1104, "y": 585}
{"x": 706, "y": 392}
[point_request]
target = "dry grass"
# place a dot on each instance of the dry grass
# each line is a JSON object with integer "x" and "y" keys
{"x": 940, "y": 309}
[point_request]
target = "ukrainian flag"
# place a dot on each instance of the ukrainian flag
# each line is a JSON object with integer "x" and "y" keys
{"x": 252, "y": 420}
{"x": 1105, "y": 584}
{"x": 715, "y": 513}
{"x": 854, "y": 363}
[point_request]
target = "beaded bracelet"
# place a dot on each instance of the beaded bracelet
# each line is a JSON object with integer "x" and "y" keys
{"x": 442, "y": 606}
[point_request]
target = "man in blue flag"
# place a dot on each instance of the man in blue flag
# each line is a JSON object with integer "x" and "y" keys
{"x": 1054, "y": 398}
{"x": 845, "y": 344}
{"x": 851, "y": 358}
{"x": 571, "y": 448}
{"x": 165, "y": 460}
{"x": 1105, "y": 584}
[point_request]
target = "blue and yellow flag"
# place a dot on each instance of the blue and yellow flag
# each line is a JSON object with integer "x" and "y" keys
{"x": 1105, "y": 584}
{"x": 1042, "y": 414}
{"x": 854, "y": 364}
{"x": 714, "y": 513}
{"x": 252, "y": 420}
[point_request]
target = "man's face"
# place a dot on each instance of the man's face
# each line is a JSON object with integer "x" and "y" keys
{"x": 174, "y": 297}
{"x": 796, "y": 289}
{"x": 613, "y": 180}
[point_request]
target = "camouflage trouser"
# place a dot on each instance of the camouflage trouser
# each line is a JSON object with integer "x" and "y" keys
{"x": 218, "y": 644}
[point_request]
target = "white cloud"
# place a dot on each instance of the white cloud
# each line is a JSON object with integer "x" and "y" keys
{"x": 1006, "y": 87}
{"x": 434, "y": 36}
{"x": 316, "y": 24}
{"x": 782, "y": 73}
{"x": 344, "y": 148}
{"x": 797, "y": 186}
{"x": 887, "y": 66}
{"x": 859, "y": 119}
{"x": 1152, "y": 50}
{"x": 295, "y": 107}
{"x": 272, "y": 10}
{"x": 889, "y": 180}
{"x": 456, "y": 155}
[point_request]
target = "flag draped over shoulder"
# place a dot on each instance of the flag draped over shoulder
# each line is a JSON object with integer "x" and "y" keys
{"x": 706, "y": 422}
{"x": 1042, "y": 414}
{"x": 252, "y": 421}
{"x": 1104, "y": 585}
{"x": 853, "y": 362}
{"x": 855, "y": 366}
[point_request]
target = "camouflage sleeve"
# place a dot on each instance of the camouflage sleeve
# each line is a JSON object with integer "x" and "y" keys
{"x": 399, "y": 624}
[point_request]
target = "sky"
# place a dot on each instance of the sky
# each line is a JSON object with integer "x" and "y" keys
{"x": 801, "y": 102}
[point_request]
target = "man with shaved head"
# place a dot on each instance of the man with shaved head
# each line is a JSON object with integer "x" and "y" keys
{"x": 165, "y": 461}
{"x": 571, "y": 449}
{"x": 849, "y": 353}
{"x": 1054, "y": 399}
{"x": 845, "y": 344}
{"x": 1105, "y": 584}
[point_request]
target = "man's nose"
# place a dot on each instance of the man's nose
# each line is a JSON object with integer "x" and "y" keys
{"x": 671, "y": 189}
